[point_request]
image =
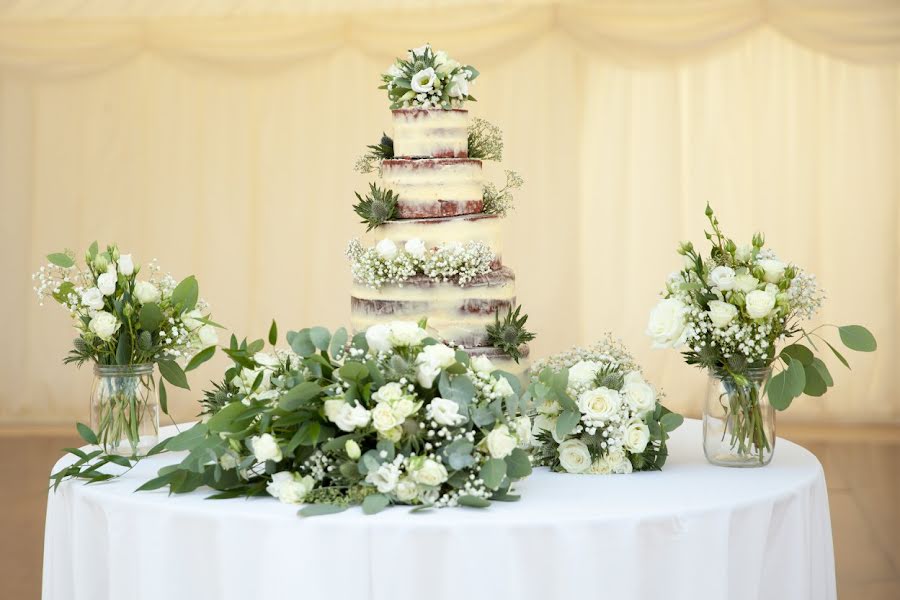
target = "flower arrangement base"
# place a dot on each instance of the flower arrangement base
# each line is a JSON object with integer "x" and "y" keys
{"x": 738, "y": 421}
{"x": 125, "y": 409}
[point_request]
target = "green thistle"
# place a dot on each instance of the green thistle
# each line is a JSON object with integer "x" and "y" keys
{"x": 510, "y": 333}
{"x": 610, "y": 377}
{"x": 371, "y": 160}
{"x": 378, "y": 207}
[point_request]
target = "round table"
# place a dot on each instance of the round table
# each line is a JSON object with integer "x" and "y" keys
{"x": 692, "y": 531}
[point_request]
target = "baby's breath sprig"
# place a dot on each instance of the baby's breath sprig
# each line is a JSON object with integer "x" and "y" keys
{"x": 485, "y": 140}
{"x": 500, "y": 201}
{"x": 456, "y": 262}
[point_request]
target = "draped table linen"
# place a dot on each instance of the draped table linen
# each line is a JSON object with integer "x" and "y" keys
{"x": 693, "y": 531}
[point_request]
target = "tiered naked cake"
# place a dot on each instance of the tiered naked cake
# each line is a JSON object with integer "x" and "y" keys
{"x": 438, "y": 253}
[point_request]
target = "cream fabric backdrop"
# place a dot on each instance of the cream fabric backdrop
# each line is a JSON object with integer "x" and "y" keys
{"x": 224, "y": 148}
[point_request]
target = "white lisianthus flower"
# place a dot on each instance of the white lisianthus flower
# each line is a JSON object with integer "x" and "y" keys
{"x": 106, "y": 283}
{"x": 745, "y": 282}
{"x": 759, "y": 304}
{"x": 600, "y": 404}
{"x": 384, "y": 418}
{"x": 582, "y": 373}
{"x": 639, "y": 396}
{"x": 522, "y": 426}
{"x": 423, "y": 81}
{"x": 431, "y": 360}
{"x": 406, "y": 333}
{"x": 722, "y": 277}
{"x": 773, "y": 269}
{"x": 415, "y": 248}
{"x": 482, "y": 364}
{"x": 618, "y": 462}
{"x": 208, "y": 336}
{"x": 406, "y": 490}
{"x": 637, "y": 435}
{"x": 265, "y": 447}
{"x": 350, "y": 416}
{"x": 290, "y": 488}
{"x": 430, "y": 473}
{"x": 92, "y": 298}
{"x": 545, "y": 423}
{"x": 191, "y": 320}
{"x": 445, "y": 412}
{"x": 721, "y": 313}
{"x": 500, "y": 442}
{"x": 574, "y": 456}
{"x": 352, "y": 449}
{"x": 386, "y": 249}
{"x": 459, "y": 86}
{"x": 743, "y": 253}
{"x": 378, "y": 337}
{"x": 385, "y": 477}
{"x": 502, "y": 387}
{"x": 389, "y": 392}
{"x": 146, "y": 292}
{"x": 104, "y": 325}
{"x": 440, "y": 57}
{"x": 447, "y": 67}
{"x": 126, "y": 264}
{"x": 667, "y": 324}
{"x": 394, "y": 71}
{"x": 420, "y": 51}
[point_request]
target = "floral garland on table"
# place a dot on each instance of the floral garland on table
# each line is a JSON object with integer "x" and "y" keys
{"x": 597, "y": 414}
{"x": 393, "y": 417}
{"x": 428, "y": 79}
{"x": 386, "y": 263}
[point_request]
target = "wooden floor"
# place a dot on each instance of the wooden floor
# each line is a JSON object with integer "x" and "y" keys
{"x": 862, "y": 466}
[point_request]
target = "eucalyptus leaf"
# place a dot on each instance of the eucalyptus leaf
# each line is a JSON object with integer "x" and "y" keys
{"x": 61, "y": 260}
{"x": 86, "y": 433}
{"x": 320, "y": 337}
{"x": 492, "y": 472}
{"x": 375, "y": 503}
{"x": 172, "y": 373}
{"x": 163, "y": 397}
{"x": 200, "y": 358}
{"x": 839, "y": 356}
{"x": 186, "y": 293}
{"x": 299, "y": 395}
{"x": 187, "y": 439}
{"x": 798, "y": 352}
{"x": 518, "y": 465}
{"x": 671, "y": 421}
{"x": 338, "y": 341}
{"x": 857, "y": 337}
{"x": 300, "y": 342}
{"x": 316, "y": 510}
{"x": 473, "y": 502}
{"x": 150, "y": 317}
{"x": 567, "y": 422}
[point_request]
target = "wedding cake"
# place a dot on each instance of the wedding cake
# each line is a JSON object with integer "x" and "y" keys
{"x": 433, "y": 247}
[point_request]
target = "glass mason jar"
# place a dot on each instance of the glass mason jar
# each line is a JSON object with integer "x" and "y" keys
{"x": 738, "y": 421}
{"x": 125, "y": 408}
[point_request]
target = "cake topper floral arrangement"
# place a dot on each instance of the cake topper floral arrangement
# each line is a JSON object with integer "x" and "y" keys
{"x": 428, "y": 79}
{"x": 597, "y": 414}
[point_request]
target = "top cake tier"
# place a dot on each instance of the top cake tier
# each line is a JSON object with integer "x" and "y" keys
{"x": 420, "y": 133}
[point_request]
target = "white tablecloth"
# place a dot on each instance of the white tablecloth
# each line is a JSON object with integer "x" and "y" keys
{"x": 692, "y": 532}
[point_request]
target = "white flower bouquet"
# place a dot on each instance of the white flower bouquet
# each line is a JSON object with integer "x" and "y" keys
{"x": 597, "y": 414}
{"x": 728, "y": 312}
{"x": 126, "y": 325}
{"x": 428, "y": 79}
{"x": 392, "y": 417}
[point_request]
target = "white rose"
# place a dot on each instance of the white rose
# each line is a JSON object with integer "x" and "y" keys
{"x": 582, "y": 373}
{"x": 389, "y": 392}
{"x": 406, "y": 490}
{"x": 522, "y": 425}
{"x": 431, "y": 360}
{"x": 637, "y": 434}
{"x": 208, "y": 336}
{"x": 384, "y": 418}
{"x": 104, "y": 325}
{"x": 265, "y": 447}
{"x": 773, "y": 269}
{"x": 759, "y": 304}
{"x": 415, "y": 247}
{"x": 445, "y": 412}
{"x": 618, "y": 462}
{"x": 352, "y": 449}
{"x": 633, "y": 377}
{"x": 448, "y": 66}
{"x": 126, "y": 264}
{"x": 459, "y": 86}
{"x": 106, "y": 283}
{"x": 667, "y": 326}
{"x": 574, "y": 456}
{"x": 92, "y": 298}
{"x": 290, "y": 488}
{"x": 406, "y": 333}
{"x": 601, "y": 467}
{"x": 639, "y": 396}
{"x": 722, "y": 277}
{"x": 721, "y": 313}
{"x": 385, "y": 477}
{"x": 426, "y": 374}
{"x": 502, "y": 387}
{"x": 430, "y": 473}
{"x": 500, "y": 442}
{"x": 146, "y": 292}
{"x": 423, "y": 81}
{"x": 351, "y": 416}
{"x": 386, "y": 249}
{"x": 378, "y": 338}
{"x": 745, "y": 282}
{"x": 333, "y": 408}
{"x": 191, "y": 320}
{"x": 266, "y": 360}
{"x": 482, "y": 364}
{"x": 600, "y": 404}
{"x": 743, "y": 253}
